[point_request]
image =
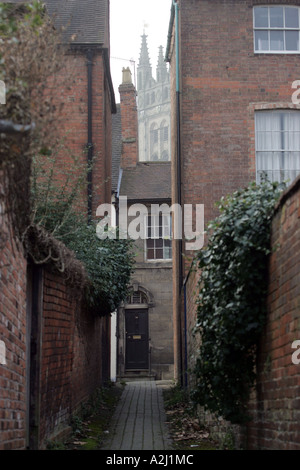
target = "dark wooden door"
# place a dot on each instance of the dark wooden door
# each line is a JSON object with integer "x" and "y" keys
{"x": 137, "y": 347}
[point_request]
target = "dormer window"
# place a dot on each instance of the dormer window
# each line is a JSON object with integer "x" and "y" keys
{"x": 276, "y": 29}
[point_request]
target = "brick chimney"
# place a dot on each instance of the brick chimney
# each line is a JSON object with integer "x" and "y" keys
{"x": 129, "y": 121}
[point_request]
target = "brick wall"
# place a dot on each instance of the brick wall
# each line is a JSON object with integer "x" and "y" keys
{"x": 71, "y": 94}
{"x": 53, "y": 353}
{"x": 222, "y": 83}
{"x": 57, "y": 333}
{"x": 274, "y": 404}
{"x": 12, "y": 336}
{"x": 71, "y": 355}
{"x": 192, "y": 341}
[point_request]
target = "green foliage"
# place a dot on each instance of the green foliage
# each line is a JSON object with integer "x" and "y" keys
{"x": 231, "y": 302}
{"x": 109, "y": 265}
{"x": 31, "y": 57}
{"x": 31, "y": 15}
{"x": 57, "y": 188}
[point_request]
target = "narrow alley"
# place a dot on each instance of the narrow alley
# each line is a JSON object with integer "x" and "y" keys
{"x": 149, "y": 228}
{"x": 139, "y": 421}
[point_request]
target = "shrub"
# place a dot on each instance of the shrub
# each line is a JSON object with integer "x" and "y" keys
{"x": 231, "y": 306}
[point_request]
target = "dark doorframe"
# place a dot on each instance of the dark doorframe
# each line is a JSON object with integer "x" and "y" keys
{"x": 136, "y": 339}
{"x": 33, "y": 347}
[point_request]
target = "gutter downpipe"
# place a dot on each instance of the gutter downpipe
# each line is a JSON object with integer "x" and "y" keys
{"x": 185, "y": 340}
{"x": 180, "y": 279}
{"x": 178, "y": 130}
{"x": 90, "y": 135}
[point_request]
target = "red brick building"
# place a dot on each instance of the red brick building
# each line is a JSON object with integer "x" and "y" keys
{"x": 54, "y": 353}
{"x": 144, "y": 327}
{"x": 89, "y": 100}
{"x": 233, "y": 64}
{"x": 235, "y": 116}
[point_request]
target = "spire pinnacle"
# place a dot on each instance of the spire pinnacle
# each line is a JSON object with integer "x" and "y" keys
{"x": 144, "y": 53}
{"x": 161, "y": 69}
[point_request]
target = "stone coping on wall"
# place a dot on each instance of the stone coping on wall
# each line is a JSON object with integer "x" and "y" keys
{"x": 290, "y": 190}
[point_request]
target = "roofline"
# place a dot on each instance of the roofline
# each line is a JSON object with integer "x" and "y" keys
{"x": 171, "y": 24}
{"x": 110, "y": 83}
{"x": 98, "y": 47}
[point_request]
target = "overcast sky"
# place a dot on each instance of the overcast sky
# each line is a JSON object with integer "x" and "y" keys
{"x": 128, "y": 20}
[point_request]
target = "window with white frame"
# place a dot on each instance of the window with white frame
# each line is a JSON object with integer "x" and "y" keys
{"x": 159, "y": 141}
{"x": 277, "y": 145}
{"x": 158, "y": 237}
{"x": 276, "y": 29}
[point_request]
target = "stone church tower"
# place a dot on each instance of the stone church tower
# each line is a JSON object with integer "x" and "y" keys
{"x": 153, "y": 107}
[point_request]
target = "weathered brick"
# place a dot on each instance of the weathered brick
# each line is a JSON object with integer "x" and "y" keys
{"x": 222, "y": 84}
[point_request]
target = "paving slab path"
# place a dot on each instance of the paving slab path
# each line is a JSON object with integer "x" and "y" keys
{"x": 139, "y": 421}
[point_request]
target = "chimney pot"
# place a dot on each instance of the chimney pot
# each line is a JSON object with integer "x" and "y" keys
{"x": 126, "y": 72}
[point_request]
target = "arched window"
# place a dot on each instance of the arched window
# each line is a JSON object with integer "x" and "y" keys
{"x": 137, "y": 297}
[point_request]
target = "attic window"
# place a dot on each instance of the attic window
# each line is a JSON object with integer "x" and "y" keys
{"x": 276, "y": 29}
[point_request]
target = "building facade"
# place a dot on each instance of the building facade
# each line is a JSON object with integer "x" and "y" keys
{"x": 233, "y": 68}
{"x": 54, "y": 354}
{"x": 235, "y": 110}
{"x": 144, "y": 324}
{"x": 153, "y": 107}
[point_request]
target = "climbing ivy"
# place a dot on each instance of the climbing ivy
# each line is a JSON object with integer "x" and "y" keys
{"x": 56, "y": 193}
{"x": 231, "y": 304}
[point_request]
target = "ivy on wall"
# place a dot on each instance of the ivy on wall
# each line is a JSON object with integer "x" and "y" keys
{"x": 231, "y": 308}
{"x": 44, "y": 183}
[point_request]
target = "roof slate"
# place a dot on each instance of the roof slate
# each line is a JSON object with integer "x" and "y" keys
{"x": 147, "y": 181}
{"x": 81, "y": 22}
{"x": 84, "y": 22}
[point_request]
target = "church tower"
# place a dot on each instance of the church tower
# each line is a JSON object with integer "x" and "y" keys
{"x": 153, "y": 107}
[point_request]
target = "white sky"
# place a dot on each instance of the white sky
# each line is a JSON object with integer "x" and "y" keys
{"x": 128, "y": 20}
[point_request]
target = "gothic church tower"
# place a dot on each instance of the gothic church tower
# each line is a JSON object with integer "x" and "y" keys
{"x": 153, "y": 107}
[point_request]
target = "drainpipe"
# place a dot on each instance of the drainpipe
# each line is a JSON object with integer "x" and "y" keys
{"x": 185, "y": 339}
{"x": 175, "y": 4}
{"x": 90, "y": 134}
{"x": 180, "y": 279}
